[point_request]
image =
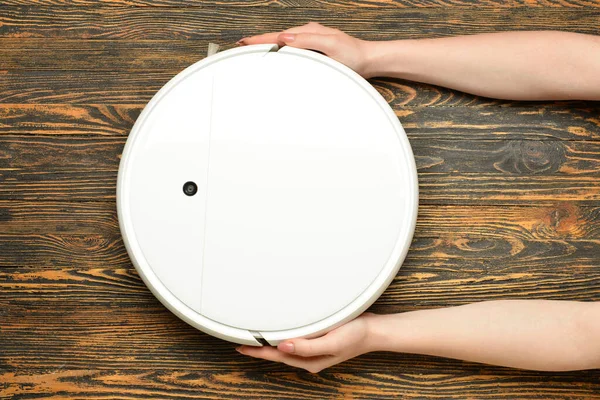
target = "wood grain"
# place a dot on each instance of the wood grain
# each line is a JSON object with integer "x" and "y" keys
{"x": 91, "y": 55}
{"x": 106, "y": 317}
{"x": 441, "y": 271}
{"x": 510, "y": 201}
{"x": 69, "y": 119}
{"x": 564, "y": 160}
{"x": 475, "y": 244}
{"x": 508, "y": 172}
{"x": 383, "y": 381}
{"x": 533, "y": 121}
{"x": 558, "y": 221}
{"x": 135, "y": 88}
{"x": 328, "y": 4}
{"x": 228, "y": 24}
{"x": 138, "y": 87}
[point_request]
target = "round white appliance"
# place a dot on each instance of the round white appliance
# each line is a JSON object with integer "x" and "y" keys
{"x": 266, "y": 194}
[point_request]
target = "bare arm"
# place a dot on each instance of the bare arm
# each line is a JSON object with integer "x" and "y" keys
{"x": 511, "y": 65}
{"x": 541, "y": 65}
{"x": 529, "y": 334}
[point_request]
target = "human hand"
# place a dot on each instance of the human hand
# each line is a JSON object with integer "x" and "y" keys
{"x": 341, "y": 344}
{"x": 334, "y": 43}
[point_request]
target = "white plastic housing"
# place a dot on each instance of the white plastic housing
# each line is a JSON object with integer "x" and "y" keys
{"x": 307, "y": 194}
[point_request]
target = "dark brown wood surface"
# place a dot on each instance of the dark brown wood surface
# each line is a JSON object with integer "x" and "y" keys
{"x": 510, "y": 201}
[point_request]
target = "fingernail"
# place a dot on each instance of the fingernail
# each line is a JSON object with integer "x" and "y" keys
{"x": 287, "y": 37}
{"x": 241, "y": 42}
{"x": 238, "y": 349}
{"x": 287, "y": 347}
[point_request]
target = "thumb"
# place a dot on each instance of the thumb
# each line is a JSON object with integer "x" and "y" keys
{"x": 314, "y": 41}
{"x": 325, "y": 345}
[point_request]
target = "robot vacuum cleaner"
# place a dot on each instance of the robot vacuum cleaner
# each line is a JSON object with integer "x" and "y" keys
{"x": 267, "y": 194}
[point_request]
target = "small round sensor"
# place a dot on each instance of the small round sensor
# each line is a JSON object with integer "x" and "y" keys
{"x": 190, "y": 188}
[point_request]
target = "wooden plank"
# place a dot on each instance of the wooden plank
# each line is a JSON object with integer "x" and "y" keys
{"x": 81, "y": 86}
{"x": 68, "y": 119}
{"x": 51, "y": 218}
{"x": 559, "y": 221}
{"x": 482, "y": 189}
{"x": 101, "y": 55}
{"x": 54, "y": 297}
{"x": 401, "y": 93}
{"x": 483, "y": 171}
{"x": 533, "y": 121}
{"x": 90, "y": 185}
{"x": 485, "y": 249}
{"x": 137, "y": 88}
{"x": 228, "y": 24}
{"x": 444, "y": 271}
{"x": 539, "y": 121}
{"x": 464, "y": 241}
{"x": 23, "y": 157}
{"x": 327, "y": 4}
{"x": 508, "y": 158}
{"x": 63, "y": 249}
{"x": 436, "y": 273}
{"x": 129, "y": 88}
{"x": 386, "y": 377}
{"x": 561, "y": 241}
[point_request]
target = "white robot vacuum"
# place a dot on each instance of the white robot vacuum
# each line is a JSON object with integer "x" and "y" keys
{"x": 267, "y": 194}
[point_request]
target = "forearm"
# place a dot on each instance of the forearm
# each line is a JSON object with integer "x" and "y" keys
{"x": 513, "y": 65}
{"x": 532, "y": 334}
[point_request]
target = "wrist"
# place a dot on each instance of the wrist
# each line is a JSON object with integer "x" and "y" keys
{"x": 388, "y": 58}
{"x": 395, "y": 332}
{"x": 376, "y": 59}
{"x": 379, "y": 333}
{"x": 369, "y": 50}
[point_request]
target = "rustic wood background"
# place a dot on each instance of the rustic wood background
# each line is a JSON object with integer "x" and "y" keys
{"x": 510, "y": 201}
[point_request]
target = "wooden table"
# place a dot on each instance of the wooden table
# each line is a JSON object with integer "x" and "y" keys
{"x": 510, "y": 201}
